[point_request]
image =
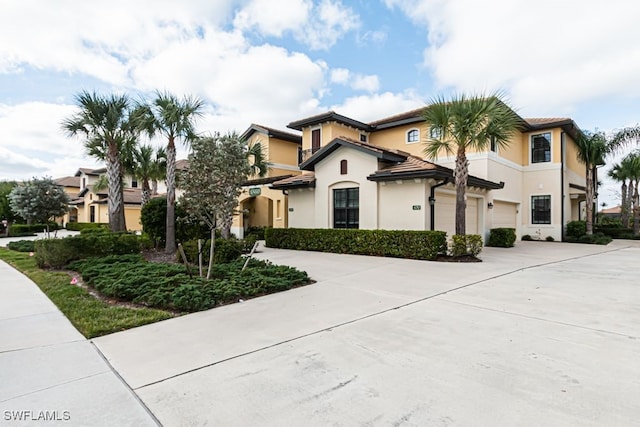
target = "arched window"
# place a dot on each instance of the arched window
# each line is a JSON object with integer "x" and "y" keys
{"x": 343, "y": 167}
{"x": 413, "y": 136}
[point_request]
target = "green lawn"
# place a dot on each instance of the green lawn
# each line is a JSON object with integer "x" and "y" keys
{"x": 89, "y": 315}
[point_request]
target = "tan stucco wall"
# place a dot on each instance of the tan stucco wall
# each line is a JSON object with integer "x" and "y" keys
{"x": 328, "y": 178}
{"x": 132, "y": 217}
{"x": 571, "y": 156}
{"x": 514, "y": 151}
{"x": 262, "y": 212}
{"x": 283, "y": 152}
{"x": 328, "y": 132}
{"x": 396, "y": 201}
{"x": 395, "y": 138}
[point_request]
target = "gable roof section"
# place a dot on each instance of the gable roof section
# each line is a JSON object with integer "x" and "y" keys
{"x": 271, "y": 133}
{"x": 408, "y": 117}
{"x": 542, "y": 123}
{"x": 381, "y": 153}
{"x": 297, "y": 181}
{"x": 414, "y": 167}
{"x": 329, "y": 116}
{"x": 94, "y": 172}
{"x": 264, "y": 181}
{"x": 68, "y": 181}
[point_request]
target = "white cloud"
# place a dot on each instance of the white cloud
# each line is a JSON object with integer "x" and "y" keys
{"x": 368, "y": 108}
{"x": 369, "y": 83}
{"x": 550, "y": 55}
{"x": 273, "y": 20}
{"x": 318, "y": 26}
{"x": 375, "y": 37}
{"x": 340, "y": 76}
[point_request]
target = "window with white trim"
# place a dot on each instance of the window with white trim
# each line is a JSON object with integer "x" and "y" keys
{"x": 541, "y": 209}
{"x": 435, "y": 132}
{"x": 346, "y": 208}
{"x": 413, "y": 136}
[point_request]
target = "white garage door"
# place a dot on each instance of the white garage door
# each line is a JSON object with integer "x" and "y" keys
{"x": 504, "y": 215}
{"x": 446, "y": 214}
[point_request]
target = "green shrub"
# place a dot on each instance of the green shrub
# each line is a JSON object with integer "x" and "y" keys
{"x": 595, "y": 239}
{"x": 80, "y": 226}
{"x": 576, "y": 229}
{"x": 466, "y": 244}
{"x": 615, "y": 232}
{"x": 550, "y": 239}
{"x": 22, "y": 246}
{"x": 226, "y": 250}
{"x": 257, "y": 232}
{"x": 94, "y": 230}
{"x": 56, "y": 253}
{"x": 502, "y": 237}
{"x": 18, "y": 230}
{"x": 527, "y": 238}
{"x": 391, "y": 243}
{"x": 153, "y": 218}
{"x": 131, "y": 278}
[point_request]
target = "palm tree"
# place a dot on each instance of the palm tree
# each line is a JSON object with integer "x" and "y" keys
{"x": 108, "y": 129}
{"x": 467, "y": 122}
{"x": 619, "y": 173}
{"x": 632, "y": 163}
{"x": 257, "y": 160}
{"x": 174, "y": 119}
{"x": 592, "y": 149}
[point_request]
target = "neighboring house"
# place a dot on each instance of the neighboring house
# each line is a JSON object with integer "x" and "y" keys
{"x": 374, "y": 176}
{"x": 612, "y": 213}
{"x": 259, "y": 205}
{"x": 71, "y": 186}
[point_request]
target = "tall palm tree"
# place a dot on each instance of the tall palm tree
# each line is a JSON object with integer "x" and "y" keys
{"x": 108, "y": 129}
{"x": 619, "y": 173}
{"x": 142, "y": 168}
{"x": 467, "y": 122}
{"x": 632, "y": 163}
{"x": 592, "y": 147}
{"x": 174, "y": 119}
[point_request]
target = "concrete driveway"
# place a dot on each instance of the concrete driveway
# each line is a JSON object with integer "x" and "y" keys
{"x": 540, "y": 334}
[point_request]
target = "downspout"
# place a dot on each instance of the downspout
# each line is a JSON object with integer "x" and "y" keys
{"x": 562, "y": 195}
{"x": 432, "y": 203}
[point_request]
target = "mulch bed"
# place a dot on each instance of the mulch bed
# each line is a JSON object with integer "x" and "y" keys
{"x": 463, "y": 258}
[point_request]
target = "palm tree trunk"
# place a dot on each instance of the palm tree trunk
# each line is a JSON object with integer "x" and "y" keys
{"x": 154, "y": 187}
{"x": 146, "y": 193}
{"x": 629, "y": 203}
{"x": 115, "y": 191}
{"x": 624, "y": 211}
{"x": 589, "y": 195}
{"x": 170, "y": 246}
{"x": 461, "y": 174}
{"x": 636, "y": 210}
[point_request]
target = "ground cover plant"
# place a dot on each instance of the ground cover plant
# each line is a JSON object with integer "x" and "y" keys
{"x": 169, "y": 286}
{"x": 91, "y": 316}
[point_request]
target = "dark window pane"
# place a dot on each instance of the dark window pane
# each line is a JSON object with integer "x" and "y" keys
{"x": 541, "y": 209}
{"x": 541, "y": 148}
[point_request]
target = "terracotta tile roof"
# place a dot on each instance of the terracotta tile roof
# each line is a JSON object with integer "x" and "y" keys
{"x": 88, "y": 171}
{"x": 412, "y": 164}
{"x": 329, "y": 116}
{"x": 412, "y": 114}
{"x": 182, "y": 164}
{"x": 265, "y": 180}
{"x": 132, "y": 196}
{"x": 613, "y": 210}
{"x": 272, "y": 132}
{"x": 304, "y": 180}
{"x": 386, "y": 154}
{"x": 68, "y": 181}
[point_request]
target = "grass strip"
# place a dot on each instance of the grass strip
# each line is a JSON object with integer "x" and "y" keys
{"x": 89, "y": 315}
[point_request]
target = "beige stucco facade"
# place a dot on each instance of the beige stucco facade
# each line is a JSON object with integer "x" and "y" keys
{"x": 404, "y": 204}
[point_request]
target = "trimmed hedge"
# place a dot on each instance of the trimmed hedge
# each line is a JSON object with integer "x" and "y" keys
{"x": 391, "y": 243}
{"x": 79, "y": 226}
{"x": 131, "y": 278}
{"x": 22, "y": 245}
{"x": 502, "y": 237}
{"x": 17, "y": 230}
{"x": 466, "y": 244}
{"x": 57, "y": 253}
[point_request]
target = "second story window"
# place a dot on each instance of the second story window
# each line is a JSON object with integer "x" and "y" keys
{"x": 363, "y": 137}
{"x": 315, "y": 140}
{"x": 134, "y": 183}
{"x": 413, "y": 136}
{"x": 541, "y": 148}
{"x": 435, "y": 132}
{"x": 494, "y": 144}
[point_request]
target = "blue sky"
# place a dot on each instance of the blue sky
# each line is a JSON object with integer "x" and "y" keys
{"x": 272, "y": 62}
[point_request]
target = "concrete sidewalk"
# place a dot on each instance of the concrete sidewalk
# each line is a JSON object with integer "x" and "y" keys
{"x": 4, "y": 241}
{"x": 541, "y": 334}
{"x": 49, "y": 373}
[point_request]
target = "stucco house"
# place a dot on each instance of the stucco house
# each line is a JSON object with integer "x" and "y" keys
{"x": 374, "y": 176}
{"x": 259, "y": 205}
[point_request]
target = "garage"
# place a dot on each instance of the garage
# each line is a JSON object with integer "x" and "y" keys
{"x": 446, "y": 214}
{"x": 505, "y": 214}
